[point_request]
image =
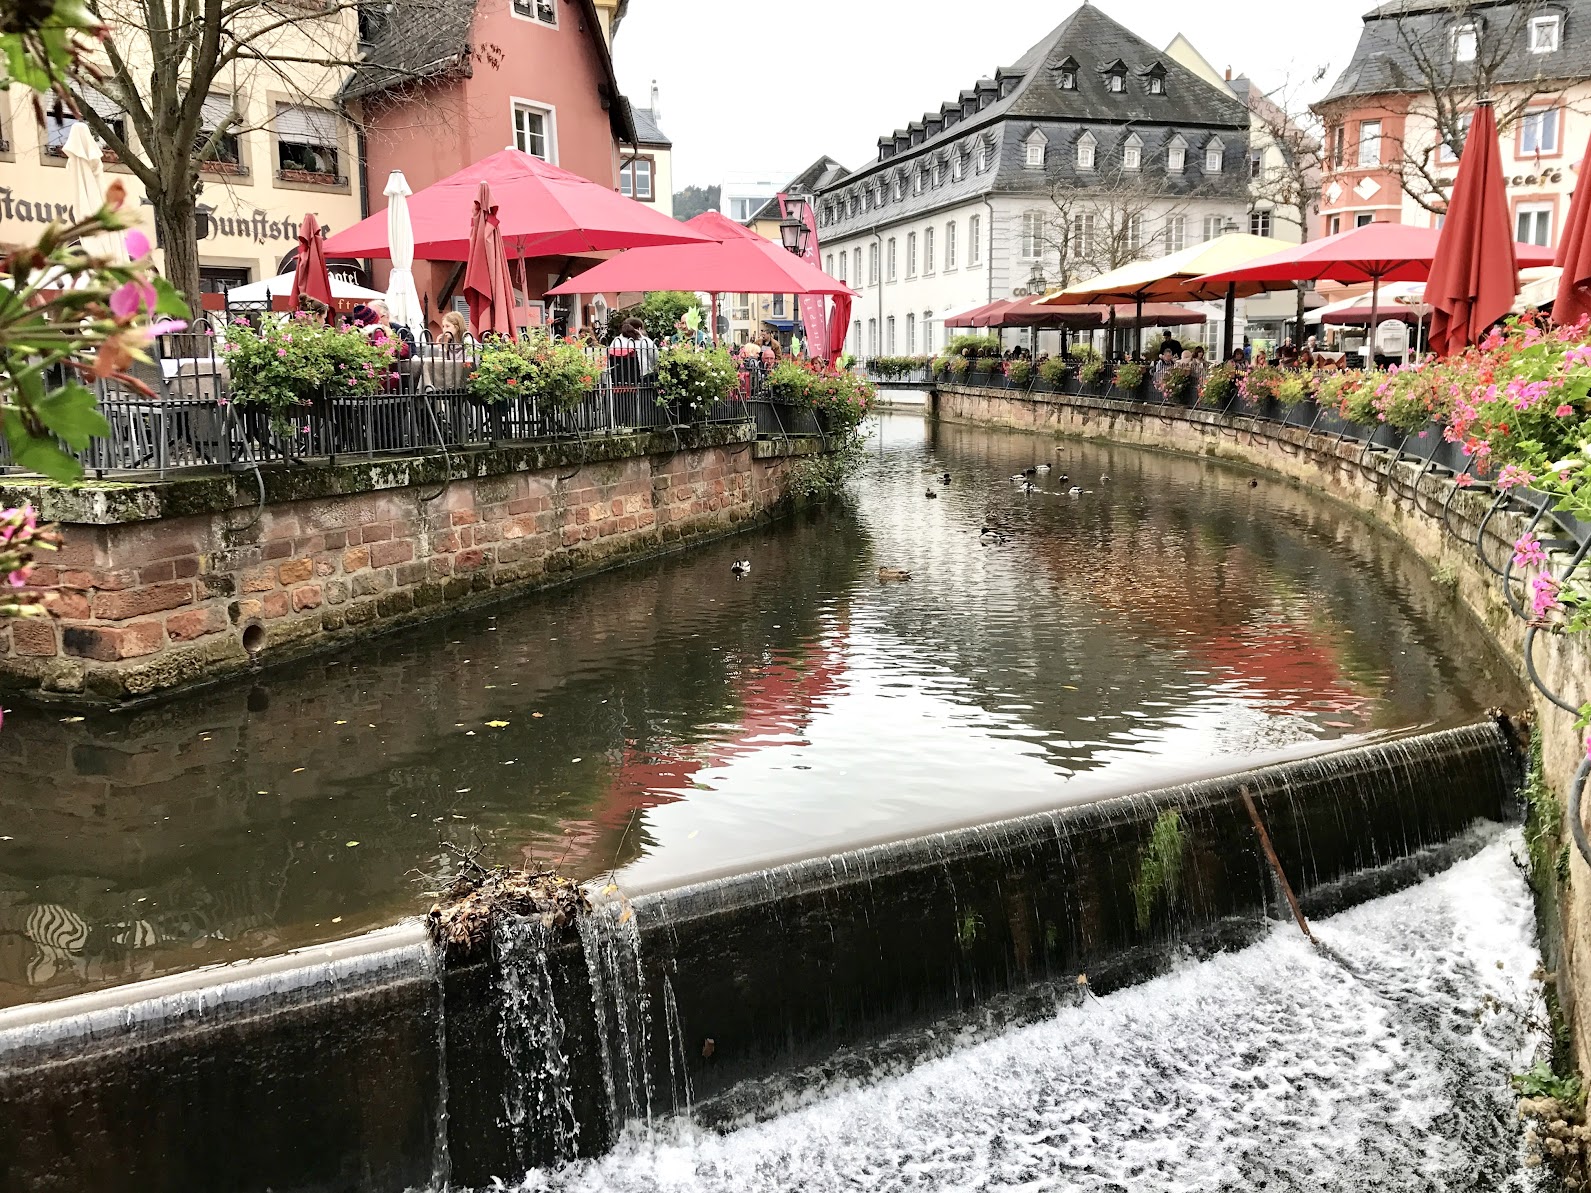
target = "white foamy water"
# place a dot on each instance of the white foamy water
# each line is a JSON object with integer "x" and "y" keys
{"x": 1275, "y": 1068}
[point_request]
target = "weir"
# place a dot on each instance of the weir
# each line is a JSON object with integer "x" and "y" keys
{"x": 367, "y": 1065}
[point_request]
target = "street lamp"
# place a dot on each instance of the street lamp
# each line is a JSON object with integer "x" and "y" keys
{"x": 793, "y": 231}
{"x": 1037, "y": 284}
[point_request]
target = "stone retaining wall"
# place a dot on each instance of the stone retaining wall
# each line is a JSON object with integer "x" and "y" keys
{"x": 162, "y": 585}
{"x": 1413, "y": 506}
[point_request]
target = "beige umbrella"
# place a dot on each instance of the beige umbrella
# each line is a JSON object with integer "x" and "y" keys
{"x": 87, "y": 184}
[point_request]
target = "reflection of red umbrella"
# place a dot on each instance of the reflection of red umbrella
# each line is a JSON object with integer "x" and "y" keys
{"x": 310, "y": 279}
{"x": 486, "y": 286}
{"x": 1476, "y": 272}
{"x": 734, "y": 261}
{"x": 546, "y": 212}
{"x": 1574, "y": 254}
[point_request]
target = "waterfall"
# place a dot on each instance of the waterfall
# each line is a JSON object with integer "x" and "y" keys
{"x": 622, "y": 1009}
{"x": 538, "y": 1098}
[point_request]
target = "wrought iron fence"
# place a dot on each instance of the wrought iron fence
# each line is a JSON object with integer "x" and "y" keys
{"x": 189, "y": 420}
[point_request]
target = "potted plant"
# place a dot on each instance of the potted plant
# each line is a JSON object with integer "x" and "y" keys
{"x": 1176, "y": 383}
{"x": 285, "y": 365}
{"x": 1219, "y": 388}
{"x": 1053, "y": 373}
{"x": 841, "y": 400}
{"x": 690, "y": 379}
{"x": 1295, "y": 389}
{"x": 1095, "y": 374}
{"x": 1019, "y": 373}
{"x": 1130, "y": 377}
{"x": 1260, "y": 385}
{"x": 503, "y": 371}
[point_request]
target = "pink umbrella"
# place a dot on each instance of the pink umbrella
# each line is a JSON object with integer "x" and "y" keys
{"x": 545, "y": 212}
{"x": 486, "y": 287}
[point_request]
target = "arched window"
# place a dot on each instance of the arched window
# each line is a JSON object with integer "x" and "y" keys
{"x": 1086, "y": 148}
{"x": 1132, "y": 154}
{"x": 1177, "y": 155}
{"x": 950, "y": 245}
{"x": 1036, "y": 143}
{"x": 1214, "y": 156}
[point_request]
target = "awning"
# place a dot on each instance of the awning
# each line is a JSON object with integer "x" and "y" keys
{"x": 781, "y": 324}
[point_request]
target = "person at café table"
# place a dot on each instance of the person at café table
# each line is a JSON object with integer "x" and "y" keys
{"x": 454, "y": 329}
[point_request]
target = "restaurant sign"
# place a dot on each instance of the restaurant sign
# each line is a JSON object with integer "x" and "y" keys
{"x": 258, "y": 226}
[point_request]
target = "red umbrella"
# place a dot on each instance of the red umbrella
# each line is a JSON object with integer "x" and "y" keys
{"x": 486, "y": 286}
{"x": 546, "y": 212}
{"x": 727, "y": 258}
{"x": 1574, "y": 254}
{"x": 1373, "y": 253}
{"x": 1476, "y": 272}
{"x": 839, "y": 324}
{"x": 310, "y": 279}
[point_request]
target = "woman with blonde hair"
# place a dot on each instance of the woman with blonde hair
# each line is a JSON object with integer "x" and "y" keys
{"x": 454, "y": 329}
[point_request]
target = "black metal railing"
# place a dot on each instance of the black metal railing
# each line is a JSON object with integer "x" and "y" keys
{"x": 189, "y": 419}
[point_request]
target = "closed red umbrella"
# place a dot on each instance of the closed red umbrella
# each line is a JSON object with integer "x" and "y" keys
{"x": 545, "y": 212}
{"x": 486, "y": 286}
{"x": 1574, "y": 254}
{"x": 310, "y": 278}
{"x": 839, "y": 324}
{"x": 1476, "y": 272}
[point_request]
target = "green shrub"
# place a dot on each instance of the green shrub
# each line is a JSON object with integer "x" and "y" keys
{"x": 1130, "y": 375}
{"x": 1176, "y": 382}
{"x": 1053, "y": 372}
{"x": 844, "y": 398}
{"x": 974, "y": 346}
{"x": 690, "y": 379}
{"x": 285, "y": 363}
{"x": 1019, "y": 372}
{"x": 1220, "y": 386}
{"x": 1295, "y": 389}
{"x": 661, "y": 311}
{"x": 1081, "y": 352}
{"x": 1095, "y": 370}
{"x": 958, "y": 366}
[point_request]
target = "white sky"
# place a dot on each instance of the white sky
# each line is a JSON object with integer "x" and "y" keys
{"x": 738, "y": 91}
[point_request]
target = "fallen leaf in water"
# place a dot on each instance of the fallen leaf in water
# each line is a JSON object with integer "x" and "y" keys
{"x": 461, "y": 790}
{"x": 339, "y": 722}
{"x": 7, "y": 838}
{"x": 351, "y": 844}
{"x": 607, "y": 890}
{"x": 336, "y": 919}
{"x": 262, "y": 793}
{"x": 497, "y": 724}
{"x": 537, "y": 715}
{"x": 574, "y": 760}
{"x": 1069, "y": 687}
{"x": 70, "y": 720}
{"x": 298, "y": 770}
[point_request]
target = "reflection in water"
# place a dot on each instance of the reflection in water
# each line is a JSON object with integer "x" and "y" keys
{"x": 669, "y": 720}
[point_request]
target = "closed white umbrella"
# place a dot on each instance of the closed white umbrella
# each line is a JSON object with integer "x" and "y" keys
{"x": 403, "y": 300}
{"x": 86, "y": 181}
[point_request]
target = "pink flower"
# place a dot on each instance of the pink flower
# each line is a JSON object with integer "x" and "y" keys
{"x": 137, "y": 245}
{"x": 1512, "y": 476}
{"x": 1543, "y": 595}
{"x": 1564, "y": 411}
{"x": 281, "y": 352}
{"x": 1464, "y": 480}
{"x": 18, "y": 578}
{"x": 130, "y": 297}
{"x": 1528, "y": 552}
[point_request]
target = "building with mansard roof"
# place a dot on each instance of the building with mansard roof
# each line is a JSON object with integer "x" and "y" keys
{"x": 1093, "y": 149}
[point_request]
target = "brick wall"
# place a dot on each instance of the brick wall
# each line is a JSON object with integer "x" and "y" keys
{"x": 140, "y": 605}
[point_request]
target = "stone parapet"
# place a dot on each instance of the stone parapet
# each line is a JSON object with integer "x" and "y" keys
{"x": 163, "y": 585}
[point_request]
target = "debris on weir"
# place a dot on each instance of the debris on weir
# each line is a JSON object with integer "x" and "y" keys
{"x": 461, "y": 921}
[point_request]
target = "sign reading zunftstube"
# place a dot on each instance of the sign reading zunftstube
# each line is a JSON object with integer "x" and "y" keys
{"x": 814, "y": 310}
{"x": 257, "y": 226}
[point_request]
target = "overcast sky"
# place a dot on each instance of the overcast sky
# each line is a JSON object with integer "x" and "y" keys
{"x": 739, "y": 92}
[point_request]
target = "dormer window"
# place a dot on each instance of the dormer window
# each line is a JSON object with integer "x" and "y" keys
{"x": 1544, "y": 34}
{"x": 1036, "y": 144}
{"x": 1066, "y": 74}
{"x": 986, "y": 158}
{"x": 1086, "y": 149}
{"x": 919, "y": 178}
{"x": 1068, "y": 80}
{"x": 1157, "y": 85}
{"x": 1214, "y": 156}
{"x": 1177, "y": 155}
{"x": 1466, "y": 43}
{"x": 1132, "y": 153}
{"x": 1115, "y": 82}
{"x": 1155, "y": 78}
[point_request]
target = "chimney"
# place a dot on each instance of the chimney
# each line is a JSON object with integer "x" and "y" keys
{"x": 658, "y": 116}
{"x": 1228, "y": 79}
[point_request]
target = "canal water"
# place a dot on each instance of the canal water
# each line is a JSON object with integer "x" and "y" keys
{"x": 672, "y": 720}
{"x": 1380, "y": 1062}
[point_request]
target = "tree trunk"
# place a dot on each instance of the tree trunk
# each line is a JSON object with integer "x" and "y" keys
{"x": 174, "y": 220}
{"x": 1299, "y": 337}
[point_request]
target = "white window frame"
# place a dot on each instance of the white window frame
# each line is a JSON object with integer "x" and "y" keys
{"x": 974, "y": 240}
{"x": 1466, "y": 42}
{"x": 1132, "y": 154}
{"x": 1537, "y": 115}
{"x": 1068, "y": 80}
{"x": 872, "y": 337}
{"x": 890, "y": 261}
{"x": 1157, "y": 85}
{"x": 1177, "y": 155}
{"x": 1261, "y": 223}
{"x": 1082, "y": 235}
{"x": 911, "y": 254}
{"x": 1363, "y": 218}
{"x": 828, "y": 267}
{"x": 856, "y": 264}
{"x": 872, "y": 264}
{"x": 1532, "y": 211}
{"x": 1176, "y": 233}
{"x": 630, "y": 163}
{"x": 1087, "y": 151}
{"x": 1133, "y": 233}
{"x": 911, "y": 332}
{"x": 549, "y": 113}
{"x": 928, "y": 331}
{"x": 1215, "y": 156}
{"x": 1036, "y": 144}
{"x": 950, "y": 246}
{"x": 1032, "y": 245}
{"x": 1116, "y": 83}
{"x": 889, "y": 335}
{"x": 1367, "y": 154}
{"x": 928, "y": 250}
{"x": 1212, "y": 227}
{"x": 532, "y": 17}
{"x": 1551, "y": 23}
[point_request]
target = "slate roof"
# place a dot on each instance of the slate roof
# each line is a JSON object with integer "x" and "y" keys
{"x": 1382, "y": 65}
{"x": 1190, "y": 107}
{"x": 814, "y": 178}
{"x": 421, "y": 39}
{"x": 647, "y": 131}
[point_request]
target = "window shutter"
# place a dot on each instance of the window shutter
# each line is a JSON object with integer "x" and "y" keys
{"x": 305, "y": 126}
{"x": 216, "y": 109}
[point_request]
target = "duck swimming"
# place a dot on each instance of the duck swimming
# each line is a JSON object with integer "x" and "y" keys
{"x": 741, "y": 567}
